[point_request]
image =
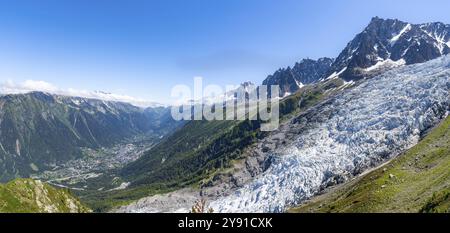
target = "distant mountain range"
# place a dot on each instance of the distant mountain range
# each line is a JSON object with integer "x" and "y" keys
{"x": 383, "y": 44}
{"x": 38, "y": 130}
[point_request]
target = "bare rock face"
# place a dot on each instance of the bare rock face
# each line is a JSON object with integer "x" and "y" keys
{"x": 178, "y": 201}
{"x": 305, "y": 72}
{"x": 382, "y": 45}
{"x": 390, "y": 42}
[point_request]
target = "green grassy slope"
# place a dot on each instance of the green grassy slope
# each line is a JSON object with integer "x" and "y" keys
{"x": 30, "y": 196}
{"x": 416, "y": 181}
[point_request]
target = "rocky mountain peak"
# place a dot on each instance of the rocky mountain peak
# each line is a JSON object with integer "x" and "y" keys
{"x": 386, "y": 43}
{"x": 305, "y": 72}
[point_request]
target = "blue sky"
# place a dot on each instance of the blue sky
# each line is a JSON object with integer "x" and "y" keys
{"x": 144, "y": 48}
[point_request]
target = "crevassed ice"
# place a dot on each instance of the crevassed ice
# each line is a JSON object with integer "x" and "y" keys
{"x": 364, "y": 126}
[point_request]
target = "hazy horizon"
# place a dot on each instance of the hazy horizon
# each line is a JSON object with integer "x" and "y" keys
{"x": 139, "y": 50}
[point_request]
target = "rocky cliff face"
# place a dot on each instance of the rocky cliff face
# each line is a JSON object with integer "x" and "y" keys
{"x": 389, "y": 42}
{"x": 382, "y": 45}
{"x": 304, "y": 72}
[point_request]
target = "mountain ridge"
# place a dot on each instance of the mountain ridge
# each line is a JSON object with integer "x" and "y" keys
{"x": 390, "y": 40}
{"x": 383, "y": 44}
{"x": 305, "y": 72}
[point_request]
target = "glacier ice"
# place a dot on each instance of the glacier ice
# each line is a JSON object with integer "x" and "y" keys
{"x": 358, "y": 129}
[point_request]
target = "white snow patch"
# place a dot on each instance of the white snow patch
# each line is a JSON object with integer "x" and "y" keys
{"x": 17, "y": 147}
{"x": 287, "y": 94}
{"x": 336, "y": 74}
{"x": 375, "y": 47}
{"x": 299, "y": 84}
{"x": 76, "y": 102}
{"x": 403, "y": 31}
{"x": 440, "y": 40}
{"x": 386, "y": 63}
{"x": 347, "y": 84}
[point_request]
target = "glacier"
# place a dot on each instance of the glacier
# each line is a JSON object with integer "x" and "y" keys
{"x": 356, "y": 130}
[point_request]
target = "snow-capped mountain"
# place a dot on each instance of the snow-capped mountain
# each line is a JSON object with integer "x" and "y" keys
{"x": 107, "y": 96}
{"x": 302, "y": 73}
{"x": 10, "y": 87}
{"x": 242, "y": 89}
{"x": 382, "y": 45}
{"x": 386, "y": 43}
{"x": 344, "y": 136}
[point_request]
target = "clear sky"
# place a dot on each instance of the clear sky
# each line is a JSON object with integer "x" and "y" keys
{"x": 143, "y": 48}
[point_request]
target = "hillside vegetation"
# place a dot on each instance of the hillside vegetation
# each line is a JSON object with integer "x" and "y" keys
{"x": 39, "y": 131}
{"x": 31, "y": 196}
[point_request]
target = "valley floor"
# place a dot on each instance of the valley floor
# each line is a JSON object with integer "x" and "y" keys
{"x": 77, "y": 174}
